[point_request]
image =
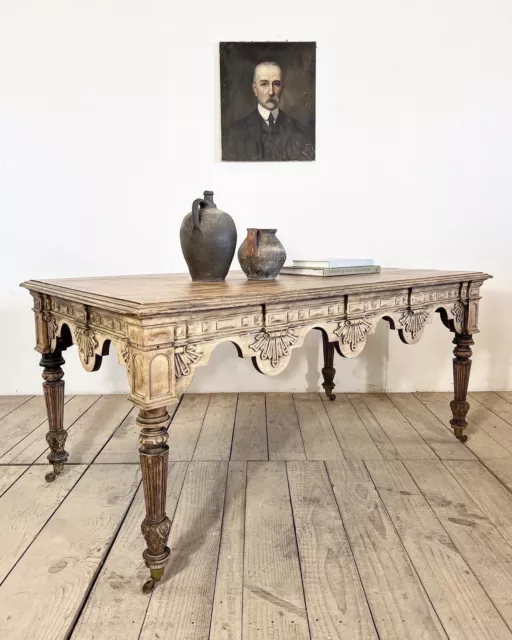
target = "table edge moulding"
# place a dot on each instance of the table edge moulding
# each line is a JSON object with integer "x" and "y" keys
{"x": 165, "y": 326}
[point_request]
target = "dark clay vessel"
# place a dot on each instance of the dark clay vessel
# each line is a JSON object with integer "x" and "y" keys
{"x": 208, "y": 240}
{"x": 261, "y": 255}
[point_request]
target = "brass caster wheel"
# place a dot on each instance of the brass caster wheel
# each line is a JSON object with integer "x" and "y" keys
{"x": 149, "y": 586}
{"x": 459, "y": 434}
{"x": 332, "y": 397}
{"x": 57, "y": 469}
{"x": 156, "y": 576}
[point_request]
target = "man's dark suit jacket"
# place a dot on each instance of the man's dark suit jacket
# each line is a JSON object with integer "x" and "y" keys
{"x": 250, "y": 139}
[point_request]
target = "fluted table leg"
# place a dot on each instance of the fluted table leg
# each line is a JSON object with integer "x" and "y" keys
{"x": 154, "y": 454}
{"x": 53, "y": 388}
{"x": 461, "y": 370}
{"x": 328, "y": 371}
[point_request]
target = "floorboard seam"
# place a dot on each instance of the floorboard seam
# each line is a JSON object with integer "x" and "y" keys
{"x": 243, "y": 557}
{"x": 220, "y": 544}
{"x": 15, "y": 481}
{"x": 16, "y": 408}
{"x": 233, "y": 430}
{"x": 405, "y": 550}
{"x": 351, "y": 551}
{"x": 369, "y": 433}
{"x": 202, "y": 426}
{"x": 111, "y": 436}
{"x": 300, "y": 430}
{"x": 266, "y": 426}
{"x": 490, "y": 408}
{"x": 297, "y": 547}
{"x": 419, "y": 434}
{"x": 490, "y": 470}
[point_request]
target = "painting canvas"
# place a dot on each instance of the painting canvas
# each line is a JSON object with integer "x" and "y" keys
{"x": 268, "y": 101}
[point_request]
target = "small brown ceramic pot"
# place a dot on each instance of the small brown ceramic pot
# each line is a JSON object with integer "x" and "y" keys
{"x": 261, "y": 255}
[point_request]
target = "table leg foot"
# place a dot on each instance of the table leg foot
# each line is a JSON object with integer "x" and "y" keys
{"x": 53, "y": 388}
{"x": 156, "y": 576}
{"x": 461, "y": 370}
{"x": 148, "y": 586}
{"x": 328, "y": 391}
{"x": 58, "y": 468}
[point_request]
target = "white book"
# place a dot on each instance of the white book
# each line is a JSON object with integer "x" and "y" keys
{"x": 336, "y": 271}
{"x": 333, "y": 263}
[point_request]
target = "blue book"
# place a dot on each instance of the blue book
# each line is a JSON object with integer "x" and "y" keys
{"x": 333, "y": 263}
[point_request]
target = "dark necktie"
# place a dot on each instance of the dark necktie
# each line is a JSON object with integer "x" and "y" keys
{"x": 270, "y": 122}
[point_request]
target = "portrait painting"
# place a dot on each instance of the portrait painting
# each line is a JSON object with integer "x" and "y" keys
{"x": 268, "y": 101}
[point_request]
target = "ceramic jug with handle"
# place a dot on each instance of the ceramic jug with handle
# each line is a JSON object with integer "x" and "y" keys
{"x": 208, "y": 240}
{"x": 261, "y": 254}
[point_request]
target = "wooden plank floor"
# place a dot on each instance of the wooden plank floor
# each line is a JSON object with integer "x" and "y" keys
{"x": 293, "y": 518}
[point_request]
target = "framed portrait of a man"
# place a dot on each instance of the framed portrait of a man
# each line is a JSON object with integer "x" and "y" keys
{"x": 268, "y": 101}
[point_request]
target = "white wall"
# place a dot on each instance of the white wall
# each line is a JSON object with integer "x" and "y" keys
{"x": 109, "y": 125}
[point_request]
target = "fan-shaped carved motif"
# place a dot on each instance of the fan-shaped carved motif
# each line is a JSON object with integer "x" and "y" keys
{"x": 352, "y": 332}
{"x": 183, "y": 357}
{"x": 413, "y": 320}
{"x": 272, "y": 346}
{"x": 86, "y": 342}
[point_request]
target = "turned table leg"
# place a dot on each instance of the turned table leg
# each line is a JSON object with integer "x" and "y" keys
{"x": 154, "y": 454}
{"x": 53, "y": 388}
{"x": 328, "y": 370}
{"x": 461, "y": 369}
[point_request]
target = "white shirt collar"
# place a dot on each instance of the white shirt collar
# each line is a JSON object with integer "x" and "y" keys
{"x": 265, "y": 113}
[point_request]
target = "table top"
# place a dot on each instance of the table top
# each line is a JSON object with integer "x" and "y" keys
{"x": 158, "y": 293}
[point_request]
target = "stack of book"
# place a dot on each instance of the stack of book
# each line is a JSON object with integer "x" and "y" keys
{"x": 331, "y": 267}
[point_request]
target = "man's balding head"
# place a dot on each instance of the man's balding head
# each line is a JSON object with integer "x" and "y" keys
{"x": 260, "y": 67}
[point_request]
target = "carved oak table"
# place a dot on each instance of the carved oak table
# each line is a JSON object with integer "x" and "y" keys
{"x": 164, "y": 326}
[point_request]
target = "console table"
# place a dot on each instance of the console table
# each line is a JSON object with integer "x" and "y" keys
{"x": 164, "y": 326}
